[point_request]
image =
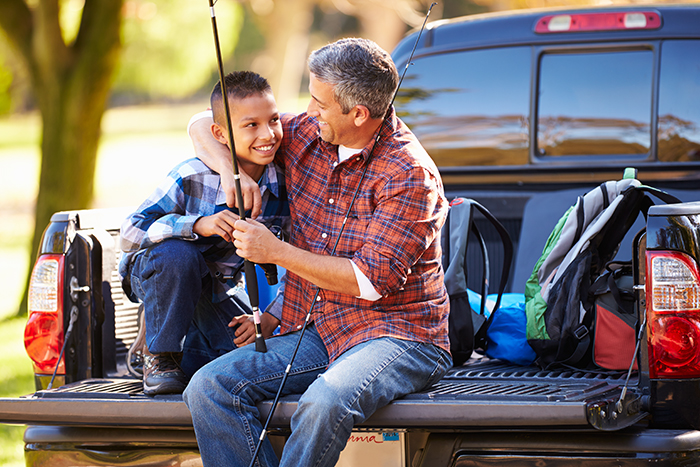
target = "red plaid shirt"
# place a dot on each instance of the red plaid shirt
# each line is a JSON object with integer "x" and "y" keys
{"x": 392, "y": 235}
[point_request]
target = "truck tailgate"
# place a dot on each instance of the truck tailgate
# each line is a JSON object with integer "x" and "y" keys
{"x": 478, "y": 394}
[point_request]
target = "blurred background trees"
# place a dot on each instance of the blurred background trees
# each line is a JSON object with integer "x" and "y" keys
{"x": 70, "y": 60}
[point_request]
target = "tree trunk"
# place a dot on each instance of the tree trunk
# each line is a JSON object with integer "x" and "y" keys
{"x": 71, "y": 85}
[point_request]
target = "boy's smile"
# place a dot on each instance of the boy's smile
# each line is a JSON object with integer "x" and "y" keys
{"x": 257, "y": 131}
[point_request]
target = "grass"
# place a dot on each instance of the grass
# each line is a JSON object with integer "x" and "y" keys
{"x": 138, "y": 148}
{"x": 16, "y": 378}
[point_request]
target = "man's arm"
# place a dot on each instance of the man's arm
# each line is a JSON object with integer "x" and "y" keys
{"x": 218, "y": 158}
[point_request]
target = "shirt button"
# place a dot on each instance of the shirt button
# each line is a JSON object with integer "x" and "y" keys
{"x": 324, "y": 235}
{"x": 335, "y": 164}
{"x": 358, "y": 158}
{"x": 331, "y": 201}
{"x": 318, "y": 299}
{"x": 299, "y": 327}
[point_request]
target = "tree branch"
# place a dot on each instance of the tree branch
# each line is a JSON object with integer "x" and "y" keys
{"x": 16, "y": 21}
{"x": 50, "y": 51}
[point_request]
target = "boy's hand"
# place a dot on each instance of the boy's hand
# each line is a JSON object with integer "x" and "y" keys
{"x": 220, "y": 224}
{"x": 245, "y": 334}
{"x": 250, "y": 190}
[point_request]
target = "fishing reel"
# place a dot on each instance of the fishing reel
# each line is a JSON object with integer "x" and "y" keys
{"x": 270, "y": 270}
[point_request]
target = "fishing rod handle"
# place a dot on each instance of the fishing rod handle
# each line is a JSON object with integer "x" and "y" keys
{"x": 251, "y": 278}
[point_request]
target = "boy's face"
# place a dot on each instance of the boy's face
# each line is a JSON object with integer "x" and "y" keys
{"x": 257, "y": 130}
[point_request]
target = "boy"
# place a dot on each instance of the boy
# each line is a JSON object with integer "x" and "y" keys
{"x": 179, "y": 258}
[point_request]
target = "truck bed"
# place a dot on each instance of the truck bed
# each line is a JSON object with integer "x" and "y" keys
{"x": 482, "y": 393}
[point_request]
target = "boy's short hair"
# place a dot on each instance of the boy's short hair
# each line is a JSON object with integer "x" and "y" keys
{"x": 239, "y": 85}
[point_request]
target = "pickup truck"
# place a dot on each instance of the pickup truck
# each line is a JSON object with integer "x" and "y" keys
{"x": 522, "y": 111}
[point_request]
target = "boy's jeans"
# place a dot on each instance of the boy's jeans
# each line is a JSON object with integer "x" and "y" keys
{"x": 222, "y": 396}
{"x": 174, "y": 283}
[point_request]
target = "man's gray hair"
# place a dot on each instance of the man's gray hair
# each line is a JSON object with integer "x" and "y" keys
{"x": 361, "y": 72}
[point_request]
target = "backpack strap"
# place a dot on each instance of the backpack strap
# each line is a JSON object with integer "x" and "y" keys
{"x": 459, "y": 226}
{"x": 505, "y": 271}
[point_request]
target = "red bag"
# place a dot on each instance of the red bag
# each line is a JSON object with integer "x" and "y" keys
{"x": 615, "y": 327}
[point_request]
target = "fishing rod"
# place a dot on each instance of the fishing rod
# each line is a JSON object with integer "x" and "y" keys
{"x": 263, "y": 433}
{"x": 251, "y": 277}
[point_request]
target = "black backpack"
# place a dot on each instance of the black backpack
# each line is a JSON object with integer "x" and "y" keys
{"x": 561, "y": 293}
{"x": 467, "y": 327}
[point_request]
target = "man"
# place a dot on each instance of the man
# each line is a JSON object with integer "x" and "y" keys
{"x": 379, "y": 325}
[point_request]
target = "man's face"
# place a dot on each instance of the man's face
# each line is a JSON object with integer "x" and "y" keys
{"x": 257, "y": 130}
{"x": 335, "y": 127}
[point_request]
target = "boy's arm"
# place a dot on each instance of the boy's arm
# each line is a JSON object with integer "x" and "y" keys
{"x": 161, "y": 216}
{"x": 218, "y": 158}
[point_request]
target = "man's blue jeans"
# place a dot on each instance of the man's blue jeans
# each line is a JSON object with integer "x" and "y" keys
{"x": 171, "y": 278}
{"x": 222, "y": 396}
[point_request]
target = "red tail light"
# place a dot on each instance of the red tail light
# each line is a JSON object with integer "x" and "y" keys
{"x": 43, "y": 334}
{"x": 609, "y": 21}
{"x": 673, "y": 314}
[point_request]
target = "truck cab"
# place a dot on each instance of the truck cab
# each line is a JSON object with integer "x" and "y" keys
{"x": 522, "y": 111}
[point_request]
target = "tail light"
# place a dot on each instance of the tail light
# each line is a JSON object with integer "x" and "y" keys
{"x": 43, "y": 334}
{"x": 608, "y": 21}
{"x": 673, "y": 314}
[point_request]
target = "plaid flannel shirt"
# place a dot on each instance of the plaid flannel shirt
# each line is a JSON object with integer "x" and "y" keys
{"x": 392, "y": 235}
{"x": 192, "y": 190}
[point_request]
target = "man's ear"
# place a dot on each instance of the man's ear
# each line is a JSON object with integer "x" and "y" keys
{"x": 218, "y": 132}
{"x": 361, "y": 115}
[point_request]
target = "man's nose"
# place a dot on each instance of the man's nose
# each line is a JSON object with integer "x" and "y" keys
{"x": 311, "y": 109}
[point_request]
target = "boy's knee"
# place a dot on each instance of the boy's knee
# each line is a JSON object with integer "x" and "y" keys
{"x": 174, "y": 250}
{"x": 177, "y": 257}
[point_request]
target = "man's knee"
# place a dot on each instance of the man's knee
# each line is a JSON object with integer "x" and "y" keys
{"x": 322, "y": 399}
{"x": 196, "y": 392}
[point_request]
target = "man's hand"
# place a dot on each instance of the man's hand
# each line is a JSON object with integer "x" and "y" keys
{"x": 255, "y": 242}
{"x": 245, "y": 334}
{"x": 221, "y": 224}
{"x": 217, "y": 157}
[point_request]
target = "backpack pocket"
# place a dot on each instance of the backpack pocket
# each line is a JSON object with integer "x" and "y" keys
{"x": 614, "y": 329}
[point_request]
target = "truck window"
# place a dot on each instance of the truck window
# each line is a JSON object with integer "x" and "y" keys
{"x": 679, "y": 101}
{"x": 595, "y": 103}
{"x": 470, "y": 107}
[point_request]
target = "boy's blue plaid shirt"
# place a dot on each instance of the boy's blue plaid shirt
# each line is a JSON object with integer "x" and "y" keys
{"x": 192, "y": 190}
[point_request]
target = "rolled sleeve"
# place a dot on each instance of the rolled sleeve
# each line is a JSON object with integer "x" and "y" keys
{"x": 404, "y": 225}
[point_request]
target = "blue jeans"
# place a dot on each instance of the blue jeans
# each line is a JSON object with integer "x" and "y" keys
{"x": 171, "y": 278}
{"x": 222, "y": 396}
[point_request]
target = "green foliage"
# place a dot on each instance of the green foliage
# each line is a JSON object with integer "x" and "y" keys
{"x": 169, "y": 45}
{"x": 16, "y": 379}
{"x": 5, "y": 82}
{"x": 6, "y": 79}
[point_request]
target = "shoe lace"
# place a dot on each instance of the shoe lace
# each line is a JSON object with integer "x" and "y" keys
{"x": 164, "y": 362}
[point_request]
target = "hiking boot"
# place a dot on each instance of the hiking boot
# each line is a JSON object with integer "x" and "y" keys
{"x": 162, "y": 374}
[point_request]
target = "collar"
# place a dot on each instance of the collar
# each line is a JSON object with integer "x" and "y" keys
{"x": 268, "y": 181}
{"x": 387, "y": 128}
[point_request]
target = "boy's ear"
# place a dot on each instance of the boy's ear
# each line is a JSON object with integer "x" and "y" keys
{"x": 218, "y": 132}
{"x": 361, "y": 115}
